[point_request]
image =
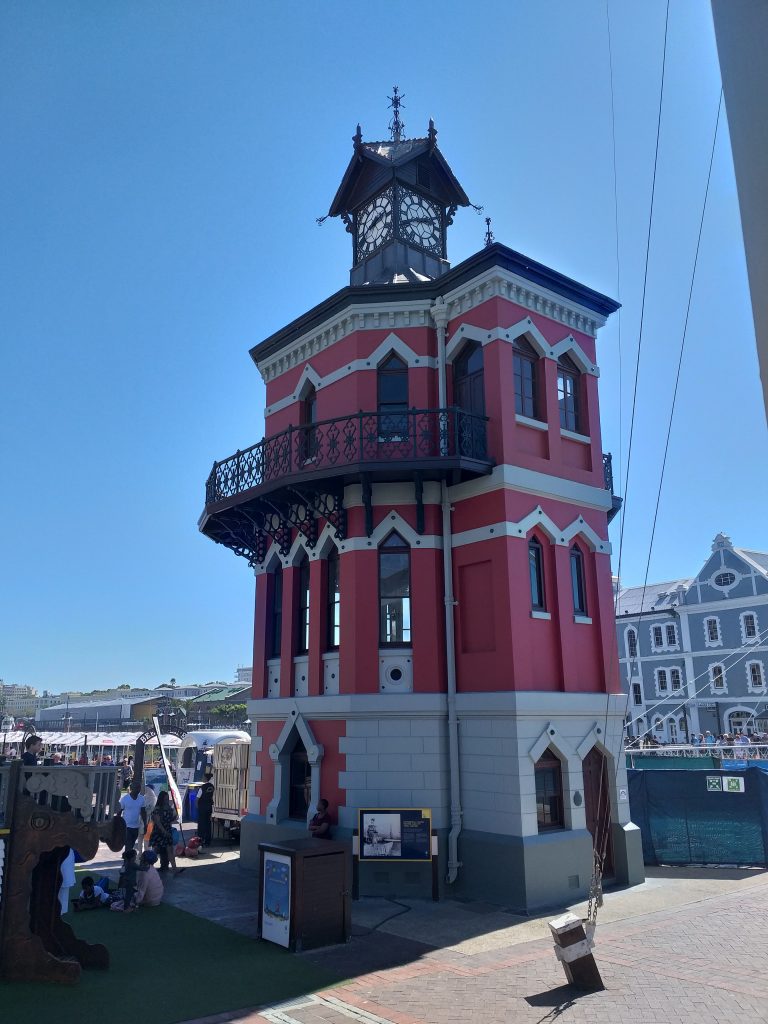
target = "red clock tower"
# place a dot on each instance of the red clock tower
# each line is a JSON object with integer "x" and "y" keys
{"x": 427, "y": 519}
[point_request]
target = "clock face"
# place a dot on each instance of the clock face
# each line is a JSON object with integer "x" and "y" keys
{"x": 374, "y": 224}
{"x": 420, "y": 221}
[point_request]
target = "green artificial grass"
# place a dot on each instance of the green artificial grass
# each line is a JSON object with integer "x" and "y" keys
{"x": 165, "y": 966}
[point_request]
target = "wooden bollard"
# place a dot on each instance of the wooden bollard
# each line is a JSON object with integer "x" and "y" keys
{"x": 573, "y": 948}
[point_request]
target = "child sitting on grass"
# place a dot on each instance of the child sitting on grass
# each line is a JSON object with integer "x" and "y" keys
{"x": 91, "y": 897}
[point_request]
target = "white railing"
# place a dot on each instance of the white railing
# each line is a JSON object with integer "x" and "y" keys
{"x": 731, "y": 752}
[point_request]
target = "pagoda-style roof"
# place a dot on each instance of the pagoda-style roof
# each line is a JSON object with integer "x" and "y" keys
{"x": 370, "y": 158}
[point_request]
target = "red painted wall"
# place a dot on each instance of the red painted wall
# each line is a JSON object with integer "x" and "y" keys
{"x": 328, "y": 733}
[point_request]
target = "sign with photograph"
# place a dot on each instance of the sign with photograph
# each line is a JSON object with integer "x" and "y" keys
{"x": 276, "y": 899}
{"x": 403, "y": 834}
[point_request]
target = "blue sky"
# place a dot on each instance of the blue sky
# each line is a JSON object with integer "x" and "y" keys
{"x": 162, "y": 168}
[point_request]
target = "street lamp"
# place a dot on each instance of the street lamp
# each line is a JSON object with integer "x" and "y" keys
{"x": 247, "y": 723}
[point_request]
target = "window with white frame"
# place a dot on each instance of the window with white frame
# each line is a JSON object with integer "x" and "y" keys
{"x": 675, "y": 678}
{"x": 671, "y": 632}
{"x": 657, "y": 637}
{"x": 662, "y": 683}
{"x": 748, "y": 622}
{"x": 755, "y": 675}
{"x": 712, "y": 636}
{"x": 631, "y": 643}
{"x": 717, "y": 677}
{"x": 658, "y": 725}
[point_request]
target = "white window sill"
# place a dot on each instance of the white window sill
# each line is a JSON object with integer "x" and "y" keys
{"x": 573, "y": 436}
{"x": 540, "y": 615}
{"x": 526, "y": 421}
{"x": 583, "y": 619}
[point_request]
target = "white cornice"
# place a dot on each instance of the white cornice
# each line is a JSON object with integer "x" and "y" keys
{"x": 522, "y": 329}
{"x": 493, "y": 283}
{"x": 544, "y": 485}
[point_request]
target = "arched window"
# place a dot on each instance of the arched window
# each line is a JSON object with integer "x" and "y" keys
{"x": 578, "y": 583}
{"x": 392, "y": 385}
{"x": 394, "y": 592}
{"x": 333, "y": 602}
{"x": 631, "y": 643}
{"x": 468, "y": 388}
{"x": 536, "y": 573}
{"x": 549, "y": 792}
{"x": 568, "y": 398}
{"x": 302, "y": 623}
{"x": 308, "y": 422}
{"x": 276, "y": 614}
{"x": 526, "y": 362}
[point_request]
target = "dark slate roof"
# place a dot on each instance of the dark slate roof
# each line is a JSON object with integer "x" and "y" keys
{"x": 496, "y": 255}
{"x": 760, "y": 558}
{"x": 655, "y": 597}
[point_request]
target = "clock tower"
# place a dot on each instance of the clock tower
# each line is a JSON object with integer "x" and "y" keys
{"x": 397, "y": 199}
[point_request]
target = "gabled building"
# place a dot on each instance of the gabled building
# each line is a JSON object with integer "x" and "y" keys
{"x": 694, "y": 651}
{"x": 427, "y": 520}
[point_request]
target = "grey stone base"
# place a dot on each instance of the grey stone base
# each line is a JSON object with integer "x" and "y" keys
{"x": 527, "y": 873}
{"x": 628, "y": 854}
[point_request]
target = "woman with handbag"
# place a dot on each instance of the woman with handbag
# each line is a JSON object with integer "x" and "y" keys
{"x": 161, "y": 840}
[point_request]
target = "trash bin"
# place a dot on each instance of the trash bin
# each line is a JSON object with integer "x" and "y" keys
{"x": 305, "y": 893}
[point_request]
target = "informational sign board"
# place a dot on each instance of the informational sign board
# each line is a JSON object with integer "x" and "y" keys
{"x": 276, "y": 899}
{"x": 389, "y": 833}
{"x": 725, "y": 784}
{"x": 184, "y": 776}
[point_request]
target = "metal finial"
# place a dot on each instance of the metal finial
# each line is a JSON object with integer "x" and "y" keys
{"x": 432, "y": 133}
{"x": 489, "y": 239}
{"x": 396, "y": 126}
{"x": 357, "y": 138}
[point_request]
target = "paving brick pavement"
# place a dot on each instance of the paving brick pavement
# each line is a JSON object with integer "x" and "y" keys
{"x": 697, "y": 964}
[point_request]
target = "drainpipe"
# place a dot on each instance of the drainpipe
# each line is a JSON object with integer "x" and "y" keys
{"x": 440, "y": 316}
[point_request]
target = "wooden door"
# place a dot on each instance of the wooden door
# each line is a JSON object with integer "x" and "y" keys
{"x": 597, "y": 804}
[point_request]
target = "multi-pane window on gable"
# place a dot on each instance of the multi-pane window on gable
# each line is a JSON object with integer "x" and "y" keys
{"x": 712, "y": 629}
{"x": 657, "y": 634}
{"x": 661, "y": 680}
{"x": 631, "y": 643}
{"x": 526, "y": 383}
{"x": 637, "y": 693}
{"x": 568, "y": 393}
{"x": 671, "y": 631}
{"x": 675, "y": 678}
{"x": 749, "y": 626}
{"x": 756, "y": 675}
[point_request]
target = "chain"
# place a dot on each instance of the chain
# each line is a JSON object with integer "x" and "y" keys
{"x": 595, "y": 889}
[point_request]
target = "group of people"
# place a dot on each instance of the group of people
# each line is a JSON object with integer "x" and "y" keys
{"x": 703, "y": 739}
{"x": 139, "y": 885}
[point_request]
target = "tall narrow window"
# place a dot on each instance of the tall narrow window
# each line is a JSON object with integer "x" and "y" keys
{"x": 712, "y": 627}
{"x": 300, "y": 782}
{"x": 549, "y": 792}
{"x": 658, "y": 636}
{"x": 394, "y": 592}
{"x": 717, "y": 676}
{"x": 661, "y": 680}
{"x": 333, "y": 602}
{"x": 578, "y": 587}
{"x": 631, "y": 643}
{"x": 672, "y": 636}
{"x": 525, "y": 362}
{"x": 392, "y": 384}
{"x": 302, "y": 625}
{"x": 536, "y": 573}
{"x": 675, "y": 678}
{"x": 749, "y": 626}
{"x": 637, "y": 693}
{"x": 568, "y": 393}
{"x": 308, "y": 422}
{"x": 276, "y": 614}
{"x": 468, "y": 389}
{"x": 756, "y": 675}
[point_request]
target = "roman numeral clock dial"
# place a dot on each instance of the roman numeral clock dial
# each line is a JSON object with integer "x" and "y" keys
{"x": 420, "y": 222}
{"x": 374, "y": 225}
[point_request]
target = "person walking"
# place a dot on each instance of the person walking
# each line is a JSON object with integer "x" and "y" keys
{"x": 134, "y": 815}
{"x": 161, "y": 841}
{"x": 149, "y": 805}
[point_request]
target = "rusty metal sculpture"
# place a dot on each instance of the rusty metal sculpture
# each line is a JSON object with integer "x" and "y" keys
{"x": 35, "y": 944}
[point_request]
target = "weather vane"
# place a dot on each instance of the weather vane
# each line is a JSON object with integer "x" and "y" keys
{"x": 489, "y": 239}
{"x": 396, "y": 126}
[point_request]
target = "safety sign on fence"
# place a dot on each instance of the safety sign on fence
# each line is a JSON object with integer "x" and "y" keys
{"x": 725, "y": 784}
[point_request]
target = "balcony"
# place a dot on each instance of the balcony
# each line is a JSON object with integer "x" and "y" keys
{"x": 608, "y": 478}
{"x": 286, "y": 481}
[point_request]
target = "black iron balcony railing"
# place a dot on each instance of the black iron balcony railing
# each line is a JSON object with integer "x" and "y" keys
{"x": 412, "y": 436}
{"x": 608, "y": 471}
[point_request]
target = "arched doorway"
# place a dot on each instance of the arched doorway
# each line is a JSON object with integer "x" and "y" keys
{"x": 597, "y": 805}
{"x": 468, "y": 389}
